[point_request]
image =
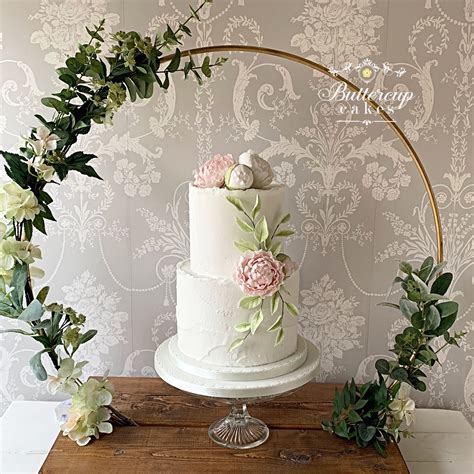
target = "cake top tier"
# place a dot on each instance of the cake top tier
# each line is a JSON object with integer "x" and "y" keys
{"x": 213, "y": 229}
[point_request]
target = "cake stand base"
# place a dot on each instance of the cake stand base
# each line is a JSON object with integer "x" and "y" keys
{"x": 239, "y": 430}
{"x": 238, "y": 387}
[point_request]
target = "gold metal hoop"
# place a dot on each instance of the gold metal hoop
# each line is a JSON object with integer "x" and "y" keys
{"x": 319, "y": 67}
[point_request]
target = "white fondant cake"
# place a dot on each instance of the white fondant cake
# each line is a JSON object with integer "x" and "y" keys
{"x": 212, "y": 227}
{"x": 212, "y": 328}
{"x": 207, "y": 311}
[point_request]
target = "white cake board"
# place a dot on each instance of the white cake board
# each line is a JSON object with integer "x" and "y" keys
{"x": 200, "y": 380}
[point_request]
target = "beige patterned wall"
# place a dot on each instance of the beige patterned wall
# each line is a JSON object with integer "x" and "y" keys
{"x": 357, "y": 202}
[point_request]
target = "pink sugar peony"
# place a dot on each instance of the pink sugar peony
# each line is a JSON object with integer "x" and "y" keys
{"x": 259, "y": 273}
{"x": 212, "y": 173}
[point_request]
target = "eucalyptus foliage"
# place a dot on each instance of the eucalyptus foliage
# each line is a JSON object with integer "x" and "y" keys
{"x": 94, "y": 87}
{"x": 372, "y": 414}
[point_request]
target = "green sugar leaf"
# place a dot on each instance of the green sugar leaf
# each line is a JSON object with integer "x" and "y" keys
{"x": 236, "y": 343}
{"x": 275, "y": 302}
{"x": 256, "y": 208}
{"x": 276, "y": 325}
{"x": 244, "y": 225}
{"x": 280, "y": 336}
{"x": 237, "y": 203}
{"x": 292, "y": 308}
{"x": 242, "y": 327}
{"x": 250, "y": 302}
{"x": 261, "y": 230}
{"x": 284, "y": 233}
{"x": 255, "y": 321}
{"x": 245, "y": 246}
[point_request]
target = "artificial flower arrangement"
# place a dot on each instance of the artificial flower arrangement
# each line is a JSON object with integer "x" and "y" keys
{"x": 380, "y": 411}
{"x": 262, "y": 270}
{"x": 95, "y": 87}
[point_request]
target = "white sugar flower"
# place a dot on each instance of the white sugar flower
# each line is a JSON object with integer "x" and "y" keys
{"x": 45, "y": 140}
{"x": 18, "y": 203}
{"x": 262, "y": 171}
{"x": 68, "y": 374}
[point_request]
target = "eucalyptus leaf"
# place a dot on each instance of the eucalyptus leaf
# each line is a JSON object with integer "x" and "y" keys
{"x": 32, "y": 312}
{"x": 433, "y": 318}
{"x": 399, "y": 374}
{"x": 436, "y": 269}
{"x": 407, "y": 307}
{"x": 19, "y": 278}
{"x": 389, "y": 305}
{"x": 405, "y": 267}
{"x": 425, "y": 269}
{"x": 447, "y": 308}
{"x": 366, "y": 432}
{"x": 382, "y": 366}
{"x": 37, "y": 366}
{"x": 441, "y": 284}
{"x": 16, "y": 331}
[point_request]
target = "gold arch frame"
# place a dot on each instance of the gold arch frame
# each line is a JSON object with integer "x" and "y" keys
{"x": 319, "y": 67}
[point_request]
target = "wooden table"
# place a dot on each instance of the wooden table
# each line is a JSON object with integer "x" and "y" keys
{"x": 172, "y": 437}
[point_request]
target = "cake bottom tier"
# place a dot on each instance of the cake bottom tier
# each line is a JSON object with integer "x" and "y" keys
{"x": 207, "y": 311}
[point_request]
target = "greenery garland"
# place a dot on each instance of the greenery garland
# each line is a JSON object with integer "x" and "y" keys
{"x": 95, "y": 87}
{"x": 380, "y": 411}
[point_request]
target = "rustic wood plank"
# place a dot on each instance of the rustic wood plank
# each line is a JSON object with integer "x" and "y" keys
{"x": 173, "y": 437}
{"x": 169, "y": 449}
{"x": 153, "y": 402}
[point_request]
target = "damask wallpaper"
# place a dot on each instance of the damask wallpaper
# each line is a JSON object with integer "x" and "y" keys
{"x": 357, "y": 202}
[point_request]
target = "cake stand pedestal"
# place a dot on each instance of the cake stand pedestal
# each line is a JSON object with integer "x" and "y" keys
{"x": 238, "y": 387}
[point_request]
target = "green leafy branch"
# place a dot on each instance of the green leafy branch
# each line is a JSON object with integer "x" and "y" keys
{"x": 94, "y": 88}
{"x": 252, "y": 223}
{"x": 367, "y": 413}
{"x": 62, "y": 330}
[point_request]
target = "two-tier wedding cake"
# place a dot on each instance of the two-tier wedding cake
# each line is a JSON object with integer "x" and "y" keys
{"x": 237, "y": 298}
{"x": 237, "y": 294}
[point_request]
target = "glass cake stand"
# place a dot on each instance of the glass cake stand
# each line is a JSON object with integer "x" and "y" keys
{"x": 237, "y": 387}
{"x": 240, "y": 430}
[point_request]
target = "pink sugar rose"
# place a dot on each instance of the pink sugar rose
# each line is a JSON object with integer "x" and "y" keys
{"x": 212, "y": 173}
{"x": 259, "y": 273}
